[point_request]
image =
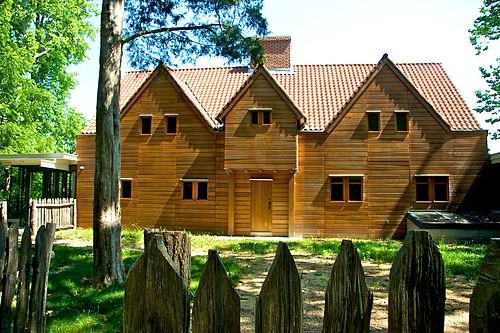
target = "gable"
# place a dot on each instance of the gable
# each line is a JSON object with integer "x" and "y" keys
{"x": 163, "y": 72}
{"x": 387, "y": 68}
{"x": 261, "y": 73}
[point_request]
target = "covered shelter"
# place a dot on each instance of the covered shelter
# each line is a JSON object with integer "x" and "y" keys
{"x": 36, "y": 176}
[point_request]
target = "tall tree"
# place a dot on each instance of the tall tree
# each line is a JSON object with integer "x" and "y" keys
{"x": 170, "y": 31}
{"x": 39, "y": 40}
{"x": 487, "y": 29}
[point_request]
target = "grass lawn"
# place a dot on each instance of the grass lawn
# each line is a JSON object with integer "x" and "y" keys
{"x": 74, "y": 306}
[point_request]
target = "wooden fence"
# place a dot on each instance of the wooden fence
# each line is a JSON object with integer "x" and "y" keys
{"x": 59, "y": 211}
{"x": 157, "y": 300}
{"x": 24, "y": 279}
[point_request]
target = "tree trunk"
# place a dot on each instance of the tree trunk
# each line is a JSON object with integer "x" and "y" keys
{"x": 108, "y": 266}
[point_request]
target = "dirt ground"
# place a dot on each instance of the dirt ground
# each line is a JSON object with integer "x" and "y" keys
{"x": 315, "y": 273}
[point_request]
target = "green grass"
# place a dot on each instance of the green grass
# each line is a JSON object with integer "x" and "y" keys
{"x": 74, "y": 306}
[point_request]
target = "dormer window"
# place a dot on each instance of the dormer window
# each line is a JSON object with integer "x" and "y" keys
{"x": 402, "y": 120}
{"x": 171, "y": 123}
{"x": 146, "y": 121}
{"x": 260, "y": 116}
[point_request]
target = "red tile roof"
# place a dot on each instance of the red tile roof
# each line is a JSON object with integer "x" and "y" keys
{"x": 319, "y": 91}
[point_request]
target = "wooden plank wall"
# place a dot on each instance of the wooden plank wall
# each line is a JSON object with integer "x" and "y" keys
{"x": 85, "y": 147}
{"x": 263, "y": 147}
{"x": 389, "y": 161}
{"x": 280, "y": 213}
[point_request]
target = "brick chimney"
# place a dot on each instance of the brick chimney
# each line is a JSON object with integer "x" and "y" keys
{"x": 277, "y": 51}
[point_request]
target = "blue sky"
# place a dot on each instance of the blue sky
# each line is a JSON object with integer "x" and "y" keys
{"x": 357, "y": 31}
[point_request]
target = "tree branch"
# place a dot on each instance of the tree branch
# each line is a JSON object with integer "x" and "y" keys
{"x": 167, "y": 29}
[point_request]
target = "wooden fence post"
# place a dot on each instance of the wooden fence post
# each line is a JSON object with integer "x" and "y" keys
{"x": 9, "y": 280}
{"x": 33, "y": 217}
{"x": 484, "y": 312}
{"x": 348, "y": 302}
{"x": 3, "y": 212}
{"x": 278, "y": 308}
{"x": 3, "y": 248}
{"x": 417, "y": 286}
{"x": 23, "y": 285}
{"x": 216, "y": 306}
{"x": 41, "y": 264}
{"x": 178, "y": 247}
{"x": 156, "y": 299}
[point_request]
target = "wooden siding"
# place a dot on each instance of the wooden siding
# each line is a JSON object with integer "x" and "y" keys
{"x": 280, "y": 199}
{"x": 388, "y": 160}
{"x": 300, "y": 164}
{"x": 264, "y": 147}
{"x": 156, "y": 163}
{"x": 85, "y": 147}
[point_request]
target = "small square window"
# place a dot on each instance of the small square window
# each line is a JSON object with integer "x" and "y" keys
{"x": 195, "y": 190}
{"x": 432, "y": 188}
{"x": 260, "y": 116}
{"x": 346, "y": 188}
{"x": 126, "y": 188}
{"x": 402, "y": 121}
{"x": 171, "y": 124}
{"x": 373, "y": 121}
{"x": 146, "y": 125}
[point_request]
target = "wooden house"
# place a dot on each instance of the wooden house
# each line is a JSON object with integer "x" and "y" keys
{"x": 306, "y": 150}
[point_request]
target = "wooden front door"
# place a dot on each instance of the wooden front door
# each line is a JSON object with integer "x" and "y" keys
{"x": 261, "y": 205}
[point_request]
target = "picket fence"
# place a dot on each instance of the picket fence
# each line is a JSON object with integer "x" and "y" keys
{"x": 59, "y": 211}
{"x": 157, "y": 299}
{"x": 24, "y": 278}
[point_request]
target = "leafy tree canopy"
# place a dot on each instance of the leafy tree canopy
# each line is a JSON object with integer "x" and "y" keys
{"x": 39, "y": 40}
{"x": 180, "y": 31}
{"x": 487, "y": 29}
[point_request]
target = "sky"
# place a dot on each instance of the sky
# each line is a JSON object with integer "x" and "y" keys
{"x": 357, "y": 31}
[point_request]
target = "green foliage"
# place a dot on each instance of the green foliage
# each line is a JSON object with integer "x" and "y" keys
{"x": 39, "y": 40}
{"x": 185, "y": 30}
{"x": 487, "y": 29}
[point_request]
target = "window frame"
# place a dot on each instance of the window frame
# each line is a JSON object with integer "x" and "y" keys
{"x": 373, "y": 113}
{"x": 406, "y": 114}
{"x": 431, "y": 185}
{"x": 259, "y": 112}
{"x": 122, "y": 182}
{"x": 347, "y": 180}
{"x": 143, "y": 117}
{"x": 195, "y": 193}
{"x": 169, "y": 116}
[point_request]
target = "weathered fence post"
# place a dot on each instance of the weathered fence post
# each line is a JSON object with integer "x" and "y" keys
{"x": 178, "y": 247}
{"x": 23, "y": 285}
{"x": 41, "y": 264}
{"x": 33, "y": 217}
{"x": 278, "y": 308}
{"x": 417, "y": 286}
{"x": 9, "y": 280}
{"x": 156, "y": 299}
{"x": 3, "y": 212}
{"x": 484, "y": 312}
{"x": 216, "y": 306}
{"x": 348, "y": 302}
{"x": 3, "y": 247}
